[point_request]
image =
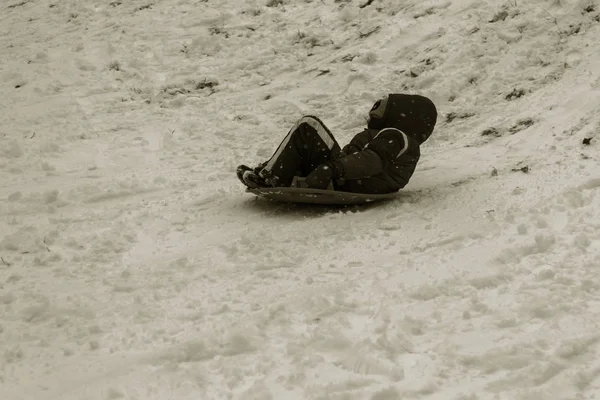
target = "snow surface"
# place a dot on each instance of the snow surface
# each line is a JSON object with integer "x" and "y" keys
{"x": 134, "y": 266}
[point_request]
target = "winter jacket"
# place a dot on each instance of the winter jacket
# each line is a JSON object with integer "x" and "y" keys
{"x": 383, "y": 157}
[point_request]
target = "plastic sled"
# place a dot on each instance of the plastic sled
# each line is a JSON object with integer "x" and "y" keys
{"x": 299, "y": 194}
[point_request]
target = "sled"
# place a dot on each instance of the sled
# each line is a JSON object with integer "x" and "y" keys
{"x": 299, "y": 194}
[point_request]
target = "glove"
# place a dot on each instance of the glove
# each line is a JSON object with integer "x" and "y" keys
{"x": 348, "y": 149}
{"x": 321, "y": 176}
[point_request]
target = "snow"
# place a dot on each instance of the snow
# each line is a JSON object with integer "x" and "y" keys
{"x": 134, "y": 266}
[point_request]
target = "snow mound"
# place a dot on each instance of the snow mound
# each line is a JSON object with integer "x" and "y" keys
{"x": 133, "y": 265}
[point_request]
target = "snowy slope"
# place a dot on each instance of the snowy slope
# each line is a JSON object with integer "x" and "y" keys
{"x": 133, "y": 265}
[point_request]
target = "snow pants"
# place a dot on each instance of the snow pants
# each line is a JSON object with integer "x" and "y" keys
{"x": 308, "y": 144}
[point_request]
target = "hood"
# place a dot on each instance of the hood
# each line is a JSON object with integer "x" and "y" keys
{"x": 413, "y": 114}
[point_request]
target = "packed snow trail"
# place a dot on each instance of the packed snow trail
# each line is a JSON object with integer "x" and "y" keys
{"x": 134, "y": 266}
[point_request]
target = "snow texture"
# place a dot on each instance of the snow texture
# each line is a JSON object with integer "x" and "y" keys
{"x": 134, "y": 266}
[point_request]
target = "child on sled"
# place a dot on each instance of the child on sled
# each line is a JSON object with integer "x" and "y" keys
{"x": 380, "y": 159}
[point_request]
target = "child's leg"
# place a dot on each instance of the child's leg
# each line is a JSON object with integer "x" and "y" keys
{"x": 308, "y": 144}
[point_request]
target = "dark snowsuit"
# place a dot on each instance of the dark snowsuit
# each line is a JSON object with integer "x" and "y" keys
{"x": 380, "y": 159}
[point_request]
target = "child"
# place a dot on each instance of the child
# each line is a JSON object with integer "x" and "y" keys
{"x": 380, "y": 159}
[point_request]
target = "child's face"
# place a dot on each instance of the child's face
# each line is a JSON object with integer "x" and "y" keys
{"x": 377, "y": 114}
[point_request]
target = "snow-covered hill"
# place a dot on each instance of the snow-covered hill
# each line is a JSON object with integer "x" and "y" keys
{"x": 134, "y": 266}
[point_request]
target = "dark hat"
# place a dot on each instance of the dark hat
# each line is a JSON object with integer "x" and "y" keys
{"x": 413, "y": 114}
